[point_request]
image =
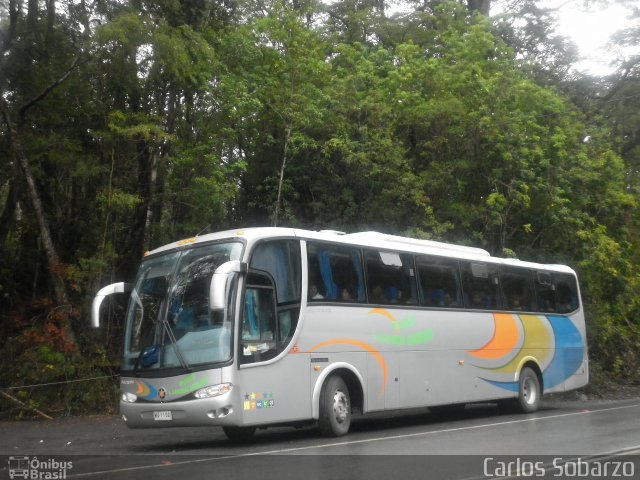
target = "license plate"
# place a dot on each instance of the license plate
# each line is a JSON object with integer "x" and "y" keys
{"x": 164, "y": 415}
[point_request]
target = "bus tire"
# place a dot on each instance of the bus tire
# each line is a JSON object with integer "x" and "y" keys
{"x": 239, "y": 434}
{"x": 529, "y": 391}
{"x": 335, "y": 408}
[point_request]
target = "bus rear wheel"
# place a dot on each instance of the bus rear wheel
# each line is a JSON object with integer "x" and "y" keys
{"x": 529, "y": 391}
{"x": 239, "y": 434}
{"x": 335, "y": 408}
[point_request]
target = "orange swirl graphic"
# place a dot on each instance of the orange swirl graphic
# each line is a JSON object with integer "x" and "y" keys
{"x": 504, "y": 340}
{"x": 539, "y": 343}
{"x": 142, "y": 390}
{"x": 364, "y": 346}
{"x": 385, "y": 313}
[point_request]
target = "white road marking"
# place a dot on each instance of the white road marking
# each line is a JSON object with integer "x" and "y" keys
{"x": 366, "y": 440}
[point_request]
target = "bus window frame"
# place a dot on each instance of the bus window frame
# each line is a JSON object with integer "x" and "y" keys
{"x": 435, "y": 261}
{"x": 315, "y": 247}
{"x": 574, "y": 288}
{"x": 277, "y": 349}
{"x": 494, "y": 270}
{"x": 528, "y": 275}
{"x": 493, "y": 274}
{"x": 406, "y": 271}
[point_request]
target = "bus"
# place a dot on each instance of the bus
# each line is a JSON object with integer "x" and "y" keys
{"x": 19, "y": 467}
{"x": 259, "y": 327}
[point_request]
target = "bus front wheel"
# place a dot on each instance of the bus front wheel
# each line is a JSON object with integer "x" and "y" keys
{"x": 529, "y": 391}
{"x": 335, "y": 408}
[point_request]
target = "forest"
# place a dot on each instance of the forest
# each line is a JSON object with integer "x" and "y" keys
{"x": 128, "y": 124}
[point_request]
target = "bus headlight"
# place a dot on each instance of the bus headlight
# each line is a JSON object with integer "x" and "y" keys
{"x": 213, "y": 390}
{"x": 128, "y": 397}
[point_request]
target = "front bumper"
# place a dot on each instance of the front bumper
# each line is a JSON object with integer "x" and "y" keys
{"x": 187, "y": 413}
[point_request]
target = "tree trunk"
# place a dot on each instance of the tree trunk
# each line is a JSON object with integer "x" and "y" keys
{"x": 84, "y": 20}
{"x": 8, "y": 213}
{"x": 287, "y": 135}
{"x": 53, "y": 261}
{"x": 139, "y": 239}
{"x": 149, "y": 217}
{"x": 32, "y": 14}
{"x": 6, "y": 40}
{"x": 51, "y": 20}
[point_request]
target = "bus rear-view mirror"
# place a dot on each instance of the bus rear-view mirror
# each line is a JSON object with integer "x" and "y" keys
{"x": 119, "y": 287}
{"x": 220, "y": 280}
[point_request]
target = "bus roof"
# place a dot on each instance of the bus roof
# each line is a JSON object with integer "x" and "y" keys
{"x": 363, "y": 239}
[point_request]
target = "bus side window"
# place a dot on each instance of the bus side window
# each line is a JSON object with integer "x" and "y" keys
{"x": 556, "y": 292}
{"x": 545, "y": 292}
{"x": 390, "y": 278}
{"x": 516, "y": 289}
{"x": 258, "y": 330}
{"x": 336, "y": 273}
{"x": 317, "y": 290}
{"x": 275, "y": 272}
{"x": 566, "y": 293}
{"x": 281, "y": 259}
{"x": 439, "y": 282}
{"x": 481, "y": 286}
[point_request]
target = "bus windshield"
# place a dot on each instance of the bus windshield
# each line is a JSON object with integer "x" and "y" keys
{"x": 169, "y": 323}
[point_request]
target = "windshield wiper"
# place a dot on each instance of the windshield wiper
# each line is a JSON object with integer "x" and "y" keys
{"x": 174, "y": 342}
{"x": 151, "y": 354}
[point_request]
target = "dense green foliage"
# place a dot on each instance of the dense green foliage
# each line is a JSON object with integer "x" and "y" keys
{"x": 128, "y": 124}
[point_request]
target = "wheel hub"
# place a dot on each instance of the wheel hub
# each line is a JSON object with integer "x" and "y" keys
{"x": 529, "y": 392}
{"x": 340, "y": 406}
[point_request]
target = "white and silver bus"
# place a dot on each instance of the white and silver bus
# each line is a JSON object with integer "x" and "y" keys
{"x": 270, "y": 326}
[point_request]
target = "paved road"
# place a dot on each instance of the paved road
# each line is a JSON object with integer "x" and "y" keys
{"x": 563, "y": 439}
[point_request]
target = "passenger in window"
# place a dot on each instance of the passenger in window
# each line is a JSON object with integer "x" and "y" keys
{"x": 516, "y": 305}
{"x": 314, "y": 294}
{"x": 476, "y": 300}
{"x": 378, "y": 296}
{"x": 565, "y": 306}
{"x": 346, "y": 295}
{"x": 489, "y": 301}
{"x": 449, "y": 301}
{"x": 393, "y": 294}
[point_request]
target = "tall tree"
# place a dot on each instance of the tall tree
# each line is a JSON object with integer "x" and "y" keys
{"x": 285, "y": 66}
{"x": 17, "y": 99}
{"x": 530, "y": 28}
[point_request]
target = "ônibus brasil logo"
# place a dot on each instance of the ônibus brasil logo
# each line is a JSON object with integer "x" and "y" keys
{"x": 33, "y": 468}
